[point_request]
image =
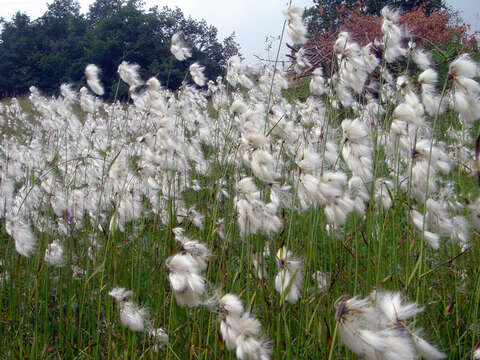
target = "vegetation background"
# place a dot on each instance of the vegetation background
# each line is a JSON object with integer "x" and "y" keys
{"x": 57, "y": 313}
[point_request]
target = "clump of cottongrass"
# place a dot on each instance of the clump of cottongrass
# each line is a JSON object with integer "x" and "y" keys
{"x": 77, "y": 272}
{"x": 184, "y": 274}
{"x": 259, "y": 160}
{"x": 431, "y": 100}
{"x": 21, "y": 231}
{"x": 68, "y": 94}
{"x": 383, "y": 192}
{"x": 419, "y": 56}
{"x": 6, "y": 194}
{"x": 358, "y": 193}
{"x": 352, "y": 73}
{"x": 230, "y": 309}
{"x": 295, "y": 27}
{"x": 466, "y": 91}
{"x": 92, "y": 73}
{"x": 440, "y": 223}
{"x": 196, "y": 71}
{"x": 328, "y": 190}
{"x": 191, "y": 214}
{"x": 240, "y": 330}
{"x": 55, "y": 254}
{"x": 411, "y": 110}
{"x": 289, "y": 280}
{"x": 432, "y": 238}
{"x": 87, "y": 101}
{"x": 428, "y": 160}
{"x": 392, "y": 35}
{"x": 132, "y": 316}
{"x": 376, "y": 327}
{"x": 357, "y": 148}
{"x": 301, "y": 62}
{"x": 250, "y": 343}
{"x": 234, "y": 70}
{"x": 253, "y": 214}
{"x": 136, "y": 318}
{"x": 427, "y": 164}
{"x": 129, "y": 74}
{"x": 309, "y": 161}
{"x": 178, "y": 47}
{"x": 317, "y": 83}
{"x": 199, "y": 251}
{"x": 159, "y": 336}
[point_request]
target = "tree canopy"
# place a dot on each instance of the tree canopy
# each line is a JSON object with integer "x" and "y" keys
{"x": 56, "y": 47}
{"x": 325, "y": 14}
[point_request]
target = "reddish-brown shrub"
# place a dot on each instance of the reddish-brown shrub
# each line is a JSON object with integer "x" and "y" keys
{"x": 428, "y": 31}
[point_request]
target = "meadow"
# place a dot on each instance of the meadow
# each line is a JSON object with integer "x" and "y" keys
{"x": 257, "y": 216}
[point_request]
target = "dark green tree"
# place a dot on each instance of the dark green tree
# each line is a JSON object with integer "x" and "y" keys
{"x": 63, "y": 9}
{"x": 56, "y": 47}
{"x": 17, "y": 51}
{"x": 102, "y": 9}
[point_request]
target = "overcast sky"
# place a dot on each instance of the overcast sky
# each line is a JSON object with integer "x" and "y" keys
{"x": 252, "y": 20}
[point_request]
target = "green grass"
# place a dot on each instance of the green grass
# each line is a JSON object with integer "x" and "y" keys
{"x": 46, "y": 314}
{"x": 49, "y": 313}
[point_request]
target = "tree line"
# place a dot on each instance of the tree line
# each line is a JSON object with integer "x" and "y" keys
{"x": 56, "y": 47}
{"x": 326, "y": 14}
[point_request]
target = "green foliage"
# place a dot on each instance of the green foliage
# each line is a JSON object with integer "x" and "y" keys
{"x": 56, "y": 47}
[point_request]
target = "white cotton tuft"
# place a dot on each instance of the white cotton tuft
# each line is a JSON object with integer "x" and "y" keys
{"x": 55, "y": 254}
{"x": 310, "y": 161}
{"x": 25, "y": 242}
{"x": 295, "y": 27}
{"x": 229, "y": 329}
{"x": 289, "y": 280}
{"x": 377, "y": 328}
{"x": 120, "y": 294}
{"x": 196, "y": 249}
{"x": 422, "y": 59}
{"x": 92, "y": 73}
{"x": 249, "y": 345}
{"x": 432, "y": 239}
{"x": 463, "y": 66}
{"x": 67, "y": 92}
{"x": 317, "y": 83}
{"x": 390, "y": 303}
{"x": 429, "y": 76}
{"x": 159, "y": 335}
{"x": 426, "y": 350}
{"x": 132, "y": 316}
{"x": 196, "y": 71}
{"x": 178, "y": 47}
{"x": 230, "y": 304}
{"x": 129, "y": 74}
{"x": 153, "y": 84}
{"x": 185, "y": 279}
{"x": 263, "y": 166}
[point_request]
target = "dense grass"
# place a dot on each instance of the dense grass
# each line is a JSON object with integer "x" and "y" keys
{"x": 49, "y": 313}
{"x": 65, "y": 312}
